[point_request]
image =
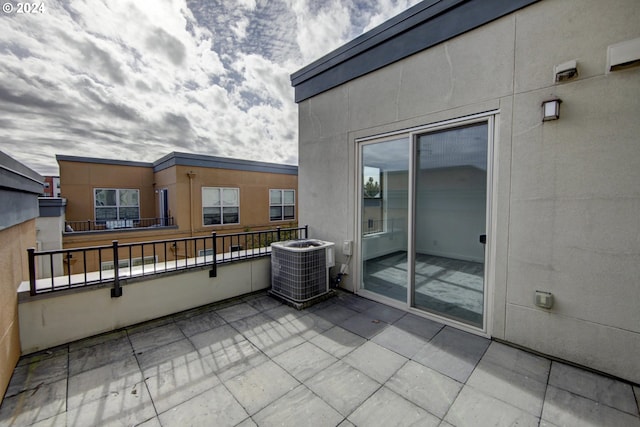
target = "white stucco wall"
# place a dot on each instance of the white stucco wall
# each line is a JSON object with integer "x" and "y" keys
{"x": 566, "y": 193}
{"x": 58, "y": 319}
{"x": 49, "y": 238}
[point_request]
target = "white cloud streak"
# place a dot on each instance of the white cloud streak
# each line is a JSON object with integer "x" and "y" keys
{"x": 136, "y": 80}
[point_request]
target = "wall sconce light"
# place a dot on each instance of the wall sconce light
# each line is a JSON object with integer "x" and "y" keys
{"x": 551, "y": 109}
{"x": 565, "y": 71}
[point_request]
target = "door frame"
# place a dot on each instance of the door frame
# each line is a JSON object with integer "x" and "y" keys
{"x": 492, "y": 120}
{"x": 163, "y": 205}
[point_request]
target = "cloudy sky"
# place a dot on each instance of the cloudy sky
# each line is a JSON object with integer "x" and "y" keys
{"x": 137, "y": 80}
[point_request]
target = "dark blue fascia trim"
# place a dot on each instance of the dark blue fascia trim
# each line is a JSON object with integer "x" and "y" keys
{"x": 418, "y": 28}
{"x": 195, "y": 160}
{"x": 15, "y": 176}
{"x": 20, "y": 187}
{"x": 17, "y": 207}
{"x": 101, "y": 161}
{"x": 199, "y": 160}
{"x": 52, "y": 206}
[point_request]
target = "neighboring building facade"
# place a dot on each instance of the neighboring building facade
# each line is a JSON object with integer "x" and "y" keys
{"x": 423, "y": 148}
{"x": 19, "y": 191}
{"x": 51, "y": 186}
{"x": 180, "y": 195}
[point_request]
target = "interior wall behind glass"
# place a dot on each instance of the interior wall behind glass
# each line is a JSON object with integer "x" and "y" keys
{"x": 451, "y": 188}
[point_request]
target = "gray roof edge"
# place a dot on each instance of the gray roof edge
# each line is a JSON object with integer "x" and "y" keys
{"x": 338, "y": 67}
{"x": 82, "y": 159}
{"x": 189, "y": 159}
{"x": 201, "y": 160}
{"x": 9, "y": 163}
{"x": 15, "y": 176}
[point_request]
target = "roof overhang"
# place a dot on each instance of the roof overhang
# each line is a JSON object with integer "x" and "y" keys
{"x": 418, "y": 28}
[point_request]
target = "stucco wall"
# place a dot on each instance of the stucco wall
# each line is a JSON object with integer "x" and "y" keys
{"x": 62, "y": 318}
{"x": 79, "y": 179}
{"x": 14, "y": 267}
{"x": 566, "y": 196}
{"x": 254, "y": 197}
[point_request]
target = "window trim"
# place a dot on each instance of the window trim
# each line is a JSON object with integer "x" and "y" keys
{"x": 117, "y": 205}
{"x": 221, "y": 207}
{"x": 282, "y": 205}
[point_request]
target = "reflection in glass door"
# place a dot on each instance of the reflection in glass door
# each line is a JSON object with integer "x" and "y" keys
{"x": 384, "y": 218}
{"x": 449, "y": 222}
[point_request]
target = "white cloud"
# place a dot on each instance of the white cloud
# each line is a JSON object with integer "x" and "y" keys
{"x": 135, "y": 80}
{"x": 321, "y": 26}
{"x": 385, "y": 9}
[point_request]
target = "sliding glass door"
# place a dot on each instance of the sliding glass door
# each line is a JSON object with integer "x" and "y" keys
{"x": 423, "y": 219}
{"x": 384, "y": 216}
{"x": 450, "y": 222}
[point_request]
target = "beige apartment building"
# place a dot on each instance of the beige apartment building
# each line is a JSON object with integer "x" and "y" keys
{"x": 180, "y": 195}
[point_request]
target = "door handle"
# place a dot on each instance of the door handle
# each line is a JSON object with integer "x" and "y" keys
{"x": 483, "y": 239}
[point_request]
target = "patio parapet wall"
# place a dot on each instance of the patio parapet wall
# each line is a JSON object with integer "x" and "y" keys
{"x": 58, "y": 309}
{"x": 68, "y": 316}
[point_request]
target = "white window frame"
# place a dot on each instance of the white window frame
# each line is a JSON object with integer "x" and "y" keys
{"x": 222, "y": 205}
{"x": 282, "y": 204}
{"x": 117, "y": 205}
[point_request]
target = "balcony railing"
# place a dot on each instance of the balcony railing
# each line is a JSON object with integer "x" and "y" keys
{"x": 117, "y": 224}
{"x": 56, "y": 270}
{"x": 389, "y": 225}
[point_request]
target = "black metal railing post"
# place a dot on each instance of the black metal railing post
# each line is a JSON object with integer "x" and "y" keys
{"x": 214, "y": 267}
{"x": 306, "y": 231}
{"x": 116, "y": 292}
{"x": 278, "y": 233}
{"x": 32, "y": 270}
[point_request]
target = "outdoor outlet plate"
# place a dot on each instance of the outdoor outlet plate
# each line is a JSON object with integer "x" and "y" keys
{"x": 544, "y": 299}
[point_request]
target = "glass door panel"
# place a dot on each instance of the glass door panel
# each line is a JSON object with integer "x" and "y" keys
{"x": 384, "y": 218}
{"x": 450, "y": 218}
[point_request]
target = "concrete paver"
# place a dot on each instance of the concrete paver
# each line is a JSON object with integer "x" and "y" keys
{"x": 342, "y": 386}
{"x": 593, "y": 386}
{"x": 344, "y": 362}
{"x": 564, "y": 408}
{"x": 474, "y": 408}
{"x": 425, "y": 387}
{"x": 453, "y": 352}
{"x": 386, "y": 408}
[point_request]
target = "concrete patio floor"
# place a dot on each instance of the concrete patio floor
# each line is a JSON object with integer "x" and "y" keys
{"x": 346, "y": 361}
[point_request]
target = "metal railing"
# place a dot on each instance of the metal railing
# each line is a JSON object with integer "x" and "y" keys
{"x": 63, "y": 269}
{"x": 117, "y": 224}
{"x": 373, "y": 226}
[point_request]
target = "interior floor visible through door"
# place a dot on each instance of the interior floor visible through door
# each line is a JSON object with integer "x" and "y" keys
{"x": 445, "y": 286}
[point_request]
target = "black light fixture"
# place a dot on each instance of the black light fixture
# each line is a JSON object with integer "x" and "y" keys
{"x": 551, "y": 109}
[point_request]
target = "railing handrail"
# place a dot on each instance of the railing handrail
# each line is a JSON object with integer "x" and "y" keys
{"x": 189, "y": 244}
{"x": 150, "y": 242}
{"x": 122, "y": 219}
{"x": 102, "y": 225}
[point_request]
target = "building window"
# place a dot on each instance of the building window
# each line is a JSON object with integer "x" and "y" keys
{"x": 220, "y": 205}
{"x": 117, "y": 204}
{"x": 282, "y": 205}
